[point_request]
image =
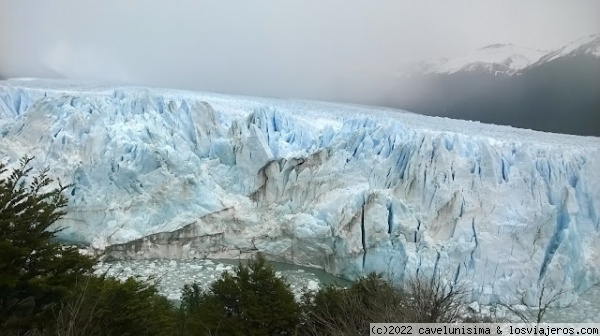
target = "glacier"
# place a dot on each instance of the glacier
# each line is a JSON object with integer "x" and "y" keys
{"x": 351, "y": 189}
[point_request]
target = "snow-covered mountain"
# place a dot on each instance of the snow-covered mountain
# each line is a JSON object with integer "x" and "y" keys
{"x": 589, "y": 45}
{"x": 557, "y": 91}
{"x": 506, "y": 59}
{"x": 172, "y": 174}
{"x": 497, "y": 59}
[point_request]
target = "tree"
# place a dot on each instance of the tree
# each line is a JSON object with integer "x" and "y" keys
{"x": 433, "y": 300}
{"x": 106, "y": 306}
{"x": 36, "y": 272}
{"x": 339, "y": 311}
{"x": 254, "y": 301}
{"x": 548, "y": 295}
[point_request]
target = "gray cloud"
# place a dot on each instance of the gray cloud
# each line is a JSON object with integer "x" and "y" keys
{"x": 334, "y": 50}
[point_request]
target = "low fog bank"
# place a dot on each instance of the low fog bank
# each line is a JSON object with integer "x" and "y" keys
{"x": 334, "y": 51}
{"x": 562, "y": 96}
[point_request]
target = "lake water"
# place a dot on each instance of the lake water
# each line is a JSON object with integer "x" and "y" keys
{"x": 171, "y": 275}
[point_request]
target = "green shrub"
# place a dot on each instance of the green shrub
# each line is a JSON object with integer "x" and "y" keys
{"x": 338, "y": 311}
{"x": 254, "y": 301}
{"x": 107, "y": 306}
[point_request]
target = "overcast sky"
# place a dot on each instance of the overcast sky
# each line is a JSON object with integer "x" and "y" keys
{"x": 289, "y": 48}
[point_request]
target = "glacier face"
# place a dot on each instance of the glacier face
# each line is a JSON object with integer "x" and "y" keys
{"x": 351, "y": 189}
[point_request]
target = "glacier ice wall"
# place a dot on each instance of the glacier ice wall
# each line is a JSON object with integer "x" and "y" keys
{"x": 160, "y": 173}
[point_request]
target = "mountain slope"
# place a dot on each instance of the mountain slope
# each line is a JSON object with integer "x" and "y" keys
{"x": 173, "y": 174}
{"x": 496, "y": 59}
{"x": 558, "y": 93}
{"x": 589, "y": 45}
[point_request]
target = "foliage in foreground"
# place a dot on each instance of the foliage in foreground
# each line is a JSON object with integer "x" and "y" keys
{"x": 338, "y": 311}
{"x": 35, "y": 272}
{"x": 254, "y": 301}
{"x": 106, "y": 306}
{"x": 47, "y": 288}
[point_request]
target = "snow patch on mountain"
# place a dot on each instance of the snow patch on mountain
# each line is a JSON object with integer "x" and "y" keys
{"x": 496, "y": 59}
{"x": 350, "y": 189}
{"x": 506, "y": 59}
{"x": 589, "y": 45}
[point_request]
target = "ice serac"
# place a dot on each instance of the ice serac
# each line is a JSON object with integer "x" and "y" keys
{"x": 172, "y": 174}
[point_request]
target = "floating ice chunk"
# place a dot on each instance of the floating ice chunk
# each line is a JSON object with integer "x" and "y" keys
{"x": 312, "y": 285}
